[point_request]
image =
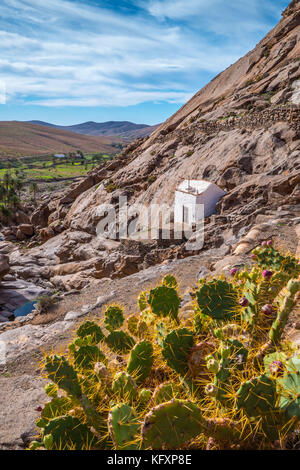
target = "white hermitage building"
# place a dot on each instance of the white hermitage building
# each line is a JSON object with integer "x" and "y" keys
{"x": 191, "y": 196}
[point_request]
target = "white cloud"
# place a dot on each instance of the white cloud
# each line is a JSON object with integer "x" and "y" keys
{"x": 63, "y": 53}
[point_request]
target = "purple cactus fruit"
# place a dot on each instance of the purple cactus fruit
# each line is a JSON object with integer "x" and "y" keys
{"x": 264, "y": 243}
{"x": 277, "y": 368}
{"x": 269, "y": 242}
{"x": 267, "y": 309}
{"x": 39, "y": 409}
{"x": 244, "y": 302}
{"x": 253, "y": 256}
{"x": 267, "y": 274}
{"x": 233, "y": 271}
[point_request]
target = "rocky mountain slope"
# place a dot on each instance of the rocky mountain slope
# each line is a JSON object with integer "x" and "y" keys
{"x": 241, "y": 132}
{"x": 123, "y": 129}
{"x": 22, "y": 139}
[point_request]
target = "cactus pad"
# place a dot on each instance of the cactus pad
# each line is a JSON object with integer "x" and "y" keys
{"x": 68, "y": 433}
{"x": 123, "y": 427}
{"x": 86, "y": 356}
{"x": 141, "y": 360}
{"x": 177, "y": 347}
{"x": 218, "y": 299}
{"x": 120, "y": 342}
{"x": 164, "y": 302}
{"x": 90, "y": 328}
{"x": 170, "y": 281}
{"x": 164, "y": 392}
{"x": 63, "y": 374}
{"x": 257, "y": 396}
{"x": 289, "y": 389}
{"x": 124, "y": 386}
{"x": 113, "y": 318}
{"x": 171, "y": 424}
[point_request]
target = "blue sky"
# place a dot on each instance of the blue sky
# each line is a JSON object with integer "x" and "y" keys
{"x": 69, "y": 61}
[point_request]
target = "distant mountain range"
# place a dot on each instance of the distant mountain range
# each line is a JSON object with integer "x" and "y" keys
{"x": 19, "y": 139}
{"x": 124, "y": 129}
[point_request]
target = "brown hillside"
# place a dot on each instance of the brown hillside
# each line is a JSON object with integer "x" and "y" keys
{"x": 23, "y": 139}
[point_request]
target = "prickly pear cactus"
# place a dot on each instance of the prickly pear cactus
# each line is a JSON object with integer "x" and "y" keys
{"x": 165, "y": 392}
{"x": 125, "y": 387}
{"x": 123, "y": 426}
{"x": 63, "y": 374}
{"x": 85, "y": 357}
{"x": 55, "y": 408}
{"x": 91, "y": 329}
{"x": 113, "y": 318}
{"x": 269, "y": 258}
{"x": 177, "y": 348}
{"x": 68, "y": 433}
{"x": 289, "y": 388}
{"x": 287, "y": 303}
{"x": 120, "y": 342}
{"x": 170, "y": 281}
{"x": 218, "y": 299}
{"x": 171, "y": 424}
{"x": 140, "y": 361}
{"x": 164, "y": 302}
{"x": 257, "y": 396}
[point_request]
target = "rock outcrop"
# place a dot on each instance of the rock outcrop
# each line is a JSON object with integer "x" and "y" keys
{"x": 4, "y": 266}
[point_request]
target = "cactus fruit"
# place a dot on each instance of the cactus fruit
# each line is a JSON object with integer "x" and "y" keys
{"x": 244, "y": 302}
{"x": 277, "y": 369}
{"x": 257, "y": 396}
{"x": 123, "y": 427}
{"x": 171, "y": 424}
{"x": 218, "y": 299}
{"x": 124, "y": 386}
{"x": 267, "y": 274}
{"x": 140, "y": 361}
{"x": 90, "y": 328}
{"x": 164, "y": 392}
{"x": 120, "y": 342}
{"x": 63, "y": 374}
{"x": 233, "y": 271}
{"x": 267, "y": 309}
{"x": 68, "y": 433}
{"x": 197, "y": 358}
{"x": 177, "y": 347}
{"x": 164, "y": 302}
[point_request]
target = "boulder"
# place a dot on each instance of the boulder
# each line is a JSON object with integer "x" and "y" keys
{"x": 27, "y": 229}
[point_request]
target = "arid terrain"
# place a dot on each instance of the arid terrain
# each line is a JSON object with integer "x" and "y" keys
{"x": 241, "y": 131}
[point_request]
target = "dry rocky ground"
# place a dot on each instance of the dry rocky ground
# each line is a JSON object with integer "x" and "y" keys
{"x": 241, "y": 131}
